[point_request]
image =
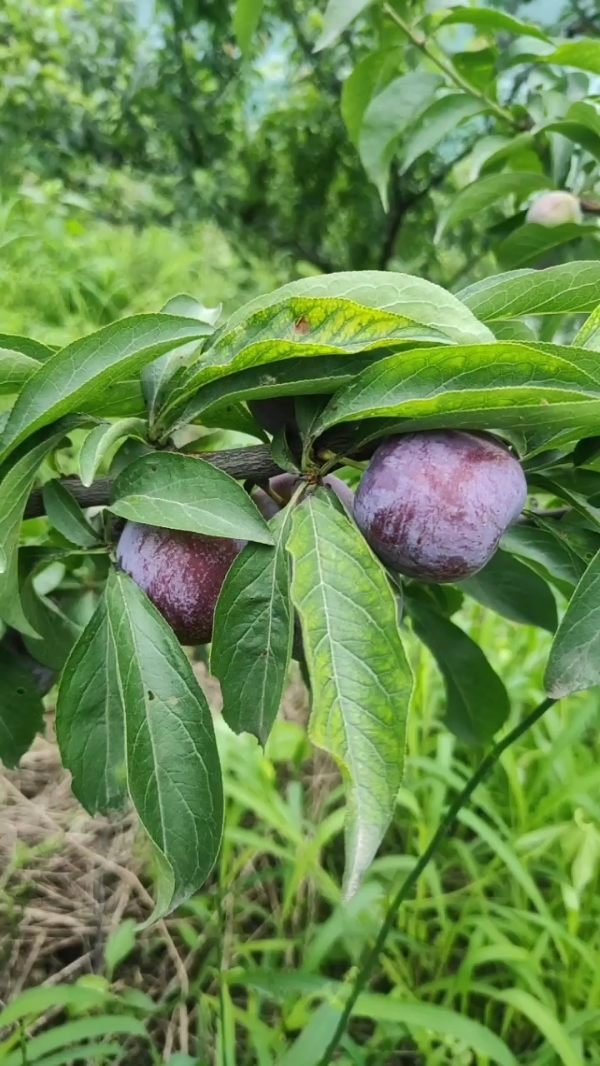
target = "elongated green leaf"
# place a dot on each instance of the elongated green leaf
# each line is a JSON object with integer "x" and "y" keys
{"x": 433, "y": 1018}
{"x": 36, "y": 1001}
{"x": 74, "y": 375}
{"x": 529, "y": 242}
{"x": 297, "y": 327}
{"x": 20, "y": 357}
{"x": 173, "y": 770}
{"x": 181, "y": 492}
{"x": 385, "y": 120}
{"x": 492, "y": 385}
{"x": 487, "y": 192}
{"x": 60, "y": 1036}
{"x": 513, "y": 590}
{"x": 57, "y": 633}
{"x": 581, "y": 124}
{"x": 360, "y": 678}
{"x": 253, "y": 633}
{"x": 437, "y": 121}
{"x": 338, "y": 16}
{"x": 570, "y": 288}
{"x": 381, "y": 290}
{"x": 485, "y": 18}
{"x": 246, "y": 21}
{"x": 589, "y": 334}
{"x": 546, "y": 1022}
{"x": 155, "y": 377}
{"x": 574, "y": 662}
{"x": 21, "y": 709}
{"x": 101, "y": 440}
{"x": 16, "y": 482}
{"x": 583, "y": 55}
{"x": 546, "y": 548}
{"x": 477, "y": 701}
{"x": 368, "y": 76}
{"x": 292, "y": 377}
{"x": 15, "y": 369}
{"x": 66, "y": 515}
{"x": 90, "y": 724}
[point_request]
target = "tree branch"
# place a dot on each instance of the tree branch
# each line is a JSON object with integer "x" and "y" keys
{"x": 255, "y": 463}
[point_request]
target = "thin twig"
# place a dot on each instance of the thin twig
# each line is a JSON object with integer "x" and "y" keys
{"x": 444, "y": 830}
{"x": 421, "y": 43}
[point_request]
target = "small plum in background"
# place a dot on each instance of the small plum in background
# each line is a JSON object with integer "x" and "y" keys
{"x": 273, "y": 415}
{"x": 434, "y": 505}
{"x": 284, "y": 486}
{"x": 182, "y": 573}
{"x": 555, "y": 209}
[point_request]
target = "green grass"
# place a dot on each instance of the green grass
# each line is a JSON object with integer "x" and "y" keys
{"x": 502, "y": 940}
{"x": 64, "y": 275}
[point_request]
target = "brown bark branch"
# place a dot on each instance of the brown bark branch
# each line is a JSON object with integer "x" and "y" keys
{"x": 255, "y": 464}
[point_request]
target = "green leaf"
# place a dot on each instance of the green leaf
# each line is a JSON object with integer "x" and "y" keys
{"x": 65, "y": 514}
{"x": 580, "y": 124}
{"x": 119, "y": 946}
{"x": 574, "y": 662}
{"x": 174, "y": 777}
{"x": 365, "y": 80}
{"x": 485, "y": 18}
{"x": 36, "y": 1001}
{"x": 253, "y": 633}
{"x": 246, "y": 21}
{"x": 436, "y": 122}
{"x": 156, "y": 376}
{"x": 419, "y": 300}
{"x": 477, "y": 702}
{"x": 57, "y": 633}
{"x": 360, "y": 678}
{"x": 338, "y": 16}
{"x": 16, "y": 482}
{"x": 513, "y": 590}
{"x": 386, "y": 118}
{"x": 21, "y": 709}
{"x": 292, "y": 377}
{"x": 488, "y": 192}
{"x": 90, "y": 725}
{"x": 100, "y": 441}
{"x": 71, "y": 1033}
{"x": 20, "y": 357}
{"x": 547, "y": 548}
{"x": 182, "y": 492}
{"x": 529, "y": 242}
{"x": 568, "y": 289}
{"x": 76, "y": 374}
{"x": 589, "y": 334}
{"x": 583, "y": 55}
{"x": 505, "y": 384}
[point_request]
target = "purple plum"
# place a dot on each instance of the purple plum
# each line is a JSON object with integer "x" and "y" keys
{"x": 434, "y": 505}
{"x": 181, "y": 572}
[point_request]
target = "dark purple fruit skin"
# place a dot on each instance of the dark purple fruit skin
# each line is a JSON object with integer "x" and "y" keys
{"x": 182, "y": 573}
{"x": 284, "y": 485}
{"x": 273, "y": 415}
{"x": 266, "y": 505}
{"x": 434, "y": 505}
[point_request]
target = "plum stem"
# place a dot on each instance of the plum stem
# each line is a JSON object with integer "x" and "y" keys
{"x": 444, "y": 830}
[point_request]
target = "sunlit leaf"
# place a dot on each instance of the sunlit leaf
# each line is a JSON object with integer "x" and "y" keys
{"x": 100, "y": 441}
{"x": 338, "y": 16}
{"x": 568, "y": 289}
{"x": 360, "y": 679}
{"x": 76, "y": 374}
{"x": 437, "y": 121}
{"x": 246, "y": 21}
